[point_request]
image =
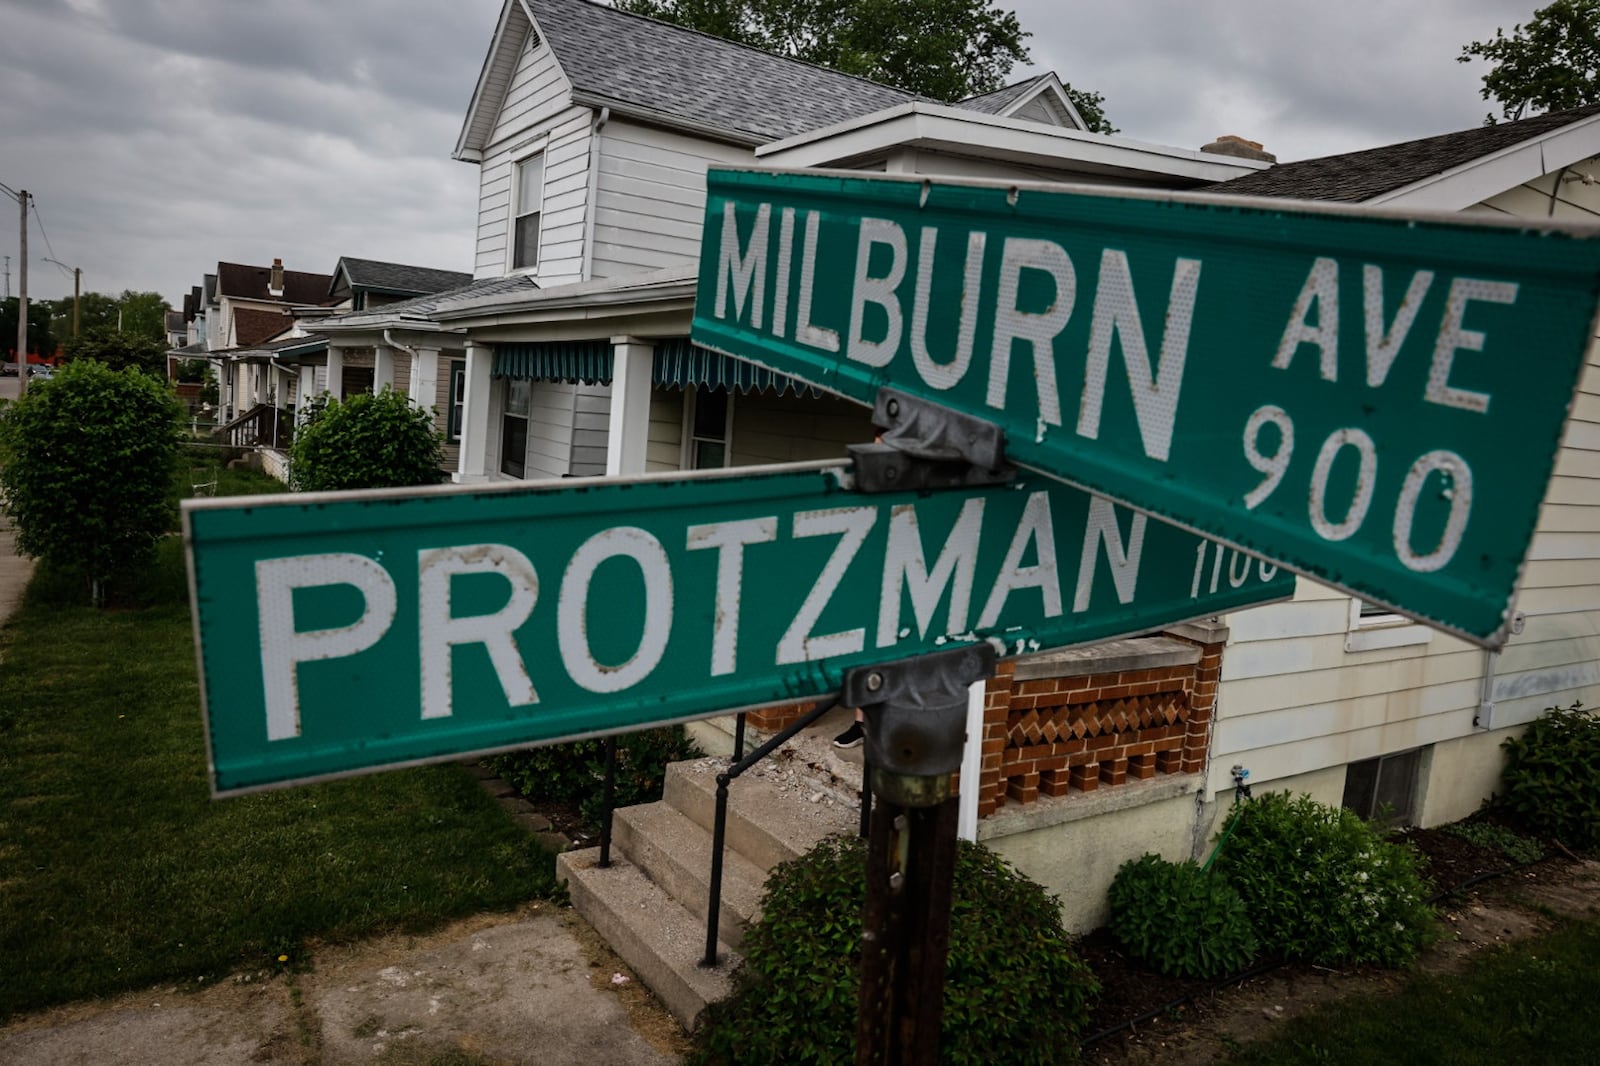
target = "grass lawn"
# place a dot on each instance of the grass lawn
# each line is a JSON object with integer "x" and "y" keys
{"x": 117, "y": 870}
{"x": 1532, "y": 1003}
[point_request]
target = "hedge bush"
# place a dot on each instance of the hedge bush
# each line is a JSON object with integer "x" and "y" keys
{"x": 87, "y": 460}
{"x": 1014, "y": 991}
{"x": 1552, "y": 777}
{"x": 1179, "y": 919}
{"x": 365, "y": 442}
{"x": 575, "y": 772}
{"x": 1320, "y": 884}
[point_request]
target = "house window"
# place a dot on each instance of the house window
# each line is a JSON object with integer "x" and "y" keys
{"x": 514, "y": 428}
{"x": 458, "y": 399}
{"x": 529, "y": 203}
{"x": 1384, "y": 788}
{"x": 707, "y": 417}
{"x": 1371, "y": 627}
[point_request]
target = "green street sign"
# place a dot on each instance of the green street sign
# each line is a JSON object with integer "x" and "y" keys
{"x": 340, "y": 632}
{"x": 1374, "y": 401}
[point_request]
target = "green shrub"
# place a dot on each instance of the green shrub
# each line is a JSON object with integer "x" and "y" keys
{"x": 575, "y": 772}
{"x": 1320, "y": 884}
{"x": 1179, "y": 919}
{"x": 86, "y": 467}
{"x": 1014, "y": 989}
{"x": 366, "y": 442}
{"x": 1491, "y": 837}
{"x": 1552, "y": 777}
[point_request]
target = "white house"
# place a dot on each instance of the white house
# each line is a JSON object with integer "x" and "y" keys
{"x": 569, "y": 355}
{"x": 1356, "y": 705}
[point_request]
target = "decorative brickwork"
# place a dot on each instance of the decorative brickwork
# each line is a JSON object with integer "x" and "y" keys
{"x": 776, "y": 719}
{"x": 1054, "y": 735}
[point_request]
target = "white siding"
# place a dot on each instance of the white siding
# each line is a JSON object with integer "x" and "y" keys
{"x": 768, "y": 428}
{"x": 1293, "y": 700}
{"x": 591, "y": 419}
{"x": 650, "y": 197}
{"x": 550, "y": 420}
{"x": 537, "y": 110}
{"x": 664, "y": 444}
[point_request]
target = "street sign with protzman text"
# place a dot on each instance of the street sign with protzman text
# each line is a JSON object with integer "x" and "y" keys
{"x": 353, "y": 631}
{"x": 1374, "y": 401}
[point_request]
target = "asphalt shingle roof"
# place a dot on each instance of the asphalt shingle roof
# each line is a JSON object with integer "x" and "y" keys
{"x": 374, "y": 275}
{"x": 698, "y": 78}
{"x": 996, "y": 102}
{"x": 1358, "y": 176}
{"x": 420, "y": 307}
{"x": 250, "y": 282}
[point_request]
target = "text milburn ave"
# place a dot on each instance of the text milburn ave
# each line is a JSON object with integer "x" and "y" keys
{"x": 358, "y": 630}
{"x": 1375, "y": 401}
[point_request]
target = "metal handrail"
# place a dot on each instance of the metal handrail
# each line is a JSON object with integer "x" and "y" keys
{"x": 719, "y": 831}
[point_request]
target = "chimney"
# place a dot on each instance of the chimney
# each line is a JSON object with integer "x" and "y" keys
{"x": 275, "y": 282}
{"x": 1229, "y": 144}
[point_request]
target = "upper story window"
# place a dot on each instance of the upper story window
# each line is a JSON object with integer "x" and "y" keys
{"x": 526, "y": 209}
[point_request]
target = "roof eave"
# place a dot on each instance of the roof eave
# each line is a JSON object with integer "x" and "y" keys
{"x": 1463, "y": 185}
{"x": 666, "y": 119}
{"x": 939, "y": 125}
{"x": 468, "y": 150}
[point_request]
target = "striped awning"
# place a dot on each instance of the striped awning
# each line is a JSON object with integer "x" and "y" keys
{"x": 575, "y": 362}
{"x": 679, "y": 363}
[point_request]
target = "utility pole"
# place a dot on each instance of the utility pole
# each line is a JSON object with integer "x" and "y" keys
{"x": 77, "y": 278}
{"x": 22, "y": 300}
{"x": 8, "y": 276}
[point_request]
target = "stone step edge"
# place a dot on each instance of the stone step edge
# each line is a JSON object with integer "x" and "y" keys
{"x": 674, "y": 851}
{"x": 649, "y": 930}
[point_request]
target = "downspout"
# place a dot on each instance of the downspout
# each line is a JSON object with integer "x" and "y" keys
{"x": 390, "y": 342}
{"x": 601, "y": 117}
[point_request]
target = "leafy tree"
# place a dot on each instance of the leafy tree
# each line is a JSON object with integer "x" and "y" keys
{"x": 366, "y": 442}
{"x": 118, "y": 349}
{"x": 144, "y": 314}
{"x": 86, "y": 467}
{"x": 944, "y": 49}
{"x": 1551, "y": 64}
{"x": 41, "y": 338}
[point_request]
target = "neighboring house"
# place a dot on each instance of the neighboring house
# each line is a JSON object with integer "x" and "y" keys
{"x": 1330, "y": 696}
{"x": 367, "y": 284}
{"x": 246, "y": 306}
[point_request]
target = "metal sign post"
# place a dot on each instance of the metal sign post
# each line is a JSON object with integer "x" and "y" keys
{"x": 1373, "y": 400}
{"x": 915, "y": 724}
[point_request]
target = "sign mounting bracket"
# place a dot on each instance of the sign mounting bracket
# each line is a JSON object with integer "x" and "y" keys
{"x": 926, "y": 446}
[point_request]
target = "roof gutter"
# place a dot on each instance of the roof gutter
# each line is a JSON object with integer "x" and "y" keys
{"x": 661, "y": 118}
{"x": 601, "y": 117}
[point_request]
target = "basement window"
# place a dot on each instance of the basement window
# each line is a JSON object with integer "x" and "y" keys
{"x": 1384, "y": 789}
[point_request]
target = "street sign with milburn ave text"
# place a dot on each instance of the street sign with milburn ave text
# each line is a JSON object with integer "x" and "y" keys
{"x": 340, "y": 632}
{"x": 1374, "y": 401}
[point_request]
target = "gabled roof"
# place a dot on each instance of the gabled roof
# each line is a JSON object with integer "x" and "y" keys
{"x": 1382, "y": 173}
{"x": 250, "y": 282}
{"x": 417, "y": 311}
{"x": 669, "y": 74}
{"x": 371, "y": 275}
{"x": 1013, "y": 99}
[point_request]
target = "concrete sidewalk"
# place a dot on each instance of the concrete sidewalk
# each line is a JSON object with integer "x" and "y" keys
{"x": 14, "y": 571}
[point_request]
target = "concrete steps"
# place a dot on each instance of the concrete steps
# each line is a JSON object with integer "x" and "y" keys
{"x": 650, "y": 905}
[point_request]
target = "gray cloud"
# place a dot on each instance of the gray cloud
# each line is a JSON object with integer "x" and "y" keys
{"x": 163, "y": 135}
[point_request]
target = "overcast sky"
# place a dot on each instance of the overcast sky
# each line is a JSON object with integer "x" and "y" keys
{"x": 160, "y": 136}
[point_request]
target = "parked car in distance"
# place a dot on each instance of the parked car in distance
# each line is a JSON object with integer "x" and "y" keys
{"x": 41, "y": 370}
{"x": 8, "y": 370}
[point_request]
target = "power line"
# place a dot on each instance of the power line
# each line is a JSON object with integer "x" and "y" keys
{"x": 40, "y": 219}
{"x": 9, "y": 191}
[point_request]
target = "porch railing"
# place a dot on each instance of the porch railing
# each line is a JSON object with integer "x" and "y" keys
{"x": 262, "y": 425}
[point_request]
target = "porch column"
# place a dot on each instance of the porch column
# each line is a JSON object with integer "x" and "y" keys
{"x": 336, "y": 371}
{"x": 629, "y": 426}
{"x": 306, "y": 393}
{"x": 382, "y": 368}
{"x": 425, "y": 380}
{"x": 476, "y": 424}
